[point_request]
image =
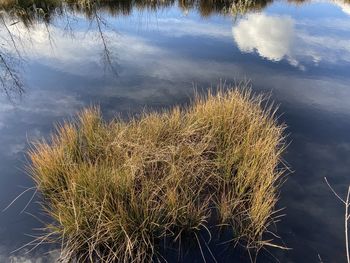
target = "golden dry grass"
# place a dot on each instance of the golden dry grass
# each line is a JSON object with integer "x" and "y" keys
{"x": 116, "y": 190}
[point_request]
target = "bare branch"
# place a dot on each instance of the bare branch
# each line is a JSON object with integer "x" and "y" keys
{"x": 346, "y": 216}
{"x": 334, "y": 192}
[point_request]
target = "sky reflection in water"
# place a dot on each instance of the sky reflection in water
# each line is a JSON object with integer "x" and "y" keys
{"x": 298, "y": 52}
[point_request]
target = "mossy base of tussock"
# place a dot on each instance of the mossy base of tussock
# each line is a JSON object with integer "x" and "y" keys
{"x": 116, "y": 190}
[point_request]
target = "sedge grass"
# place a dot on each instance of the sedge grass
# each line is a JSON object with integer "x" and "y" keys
{"x": 116, "y": 189}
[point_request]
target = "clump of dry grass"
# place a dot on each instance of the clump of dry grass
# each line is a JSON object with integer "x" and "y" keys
{"x": 116, "y": 190}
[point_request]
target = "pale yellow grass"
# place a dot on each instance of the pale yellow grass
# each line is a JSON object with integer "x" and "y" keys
{"x": 115, "y": 190}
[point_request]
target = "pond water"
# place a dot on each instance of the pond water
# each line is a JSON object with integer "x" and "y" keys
{"x": 55, "y": 60}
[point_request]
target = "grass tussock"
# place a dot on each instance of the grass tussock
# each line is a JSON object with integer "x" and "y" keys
{"x": 116, "y": 190}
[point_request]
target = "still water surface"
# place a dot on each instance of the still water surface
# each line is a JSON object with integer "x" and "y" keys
{"x": 126, "y": 57}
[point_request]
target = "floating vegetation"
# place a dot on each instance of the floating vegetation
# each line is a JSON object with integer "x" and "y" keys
{"x": 118, "y": 190}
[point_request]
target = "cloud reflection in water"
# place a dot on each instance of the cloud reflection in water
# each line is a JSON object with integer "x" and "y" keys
{"x": 270, "y": 36}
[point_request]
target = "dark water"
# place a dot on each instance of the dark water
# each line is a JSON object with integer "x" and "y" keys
{"x": 128, "y": 56}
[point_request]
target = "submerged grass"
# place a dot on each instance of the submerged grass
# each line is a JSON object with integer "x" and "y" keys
{"x": 116, "y": 190}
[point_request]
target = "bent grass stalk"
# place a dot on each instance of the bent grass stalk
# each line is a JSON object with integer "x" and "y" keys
{"x": 346, "y": 203}
{"x": 117, "y": 190}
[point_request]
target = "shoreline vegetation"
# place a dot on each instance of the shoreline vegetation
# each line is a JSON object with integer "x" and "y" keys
{"x": 119, "y": 191}
{"x": 29, "y": 11}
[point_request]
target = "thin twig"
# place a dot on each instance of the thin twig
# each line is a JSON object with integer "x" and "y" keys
{"x": 346, "y": 216}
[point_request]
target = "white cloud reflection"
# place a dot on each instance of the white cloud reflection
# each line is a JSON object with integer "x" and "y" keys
{"x": 271, "y": 36}
{"x": 281, "y": 37}
{"x": 24, "y": 257}
{"x": 345, "y": 7}
{"x": 300, "y": 42}
{"x": 148, "y": 65}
